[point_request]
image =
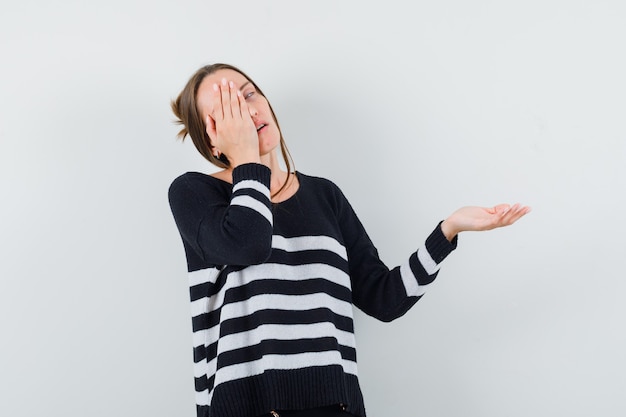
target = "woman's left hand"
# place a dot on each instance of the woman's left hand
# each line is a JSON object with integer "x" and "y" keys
{"x": 472, "y": 218}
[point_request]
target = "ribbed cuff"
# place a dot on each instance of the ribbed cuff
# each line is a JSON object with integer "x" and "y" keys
{"x": 252, "y": 171}
{"x": 438, "y": 246}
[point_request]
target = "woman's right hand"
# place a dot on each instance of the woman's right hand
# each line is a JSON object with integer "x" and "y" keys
{"x": 473, "y": 218}
{"x": 230, "y": 126}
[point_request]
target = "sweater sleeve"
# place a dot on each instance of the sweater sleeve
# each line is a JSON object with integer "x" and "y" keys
{"x": 378, "y": 291}
{"x": 222, "y": 228}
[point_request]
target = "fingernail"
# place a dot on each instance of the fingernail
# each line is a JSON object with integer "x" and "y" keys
{"x": 231, "y": 84}
{"x": 223, "y": 81}
{"x": 215, "y": 87}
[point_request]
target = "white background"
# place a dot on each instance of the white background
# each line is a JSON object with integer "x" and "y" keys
{"x": 412, "y": 111}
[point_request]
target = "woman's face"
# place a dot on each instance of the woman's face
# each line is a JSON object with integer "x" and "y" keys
{"x": 259, "y": 109}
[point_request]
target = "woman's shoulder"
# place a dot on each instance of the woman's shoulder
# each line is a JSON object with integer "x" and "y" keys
{"x": 316, "y": 181}
{"x": 320, "y": 186}
{"x": 197, "y": 183}
{"x": 197, "y": 178}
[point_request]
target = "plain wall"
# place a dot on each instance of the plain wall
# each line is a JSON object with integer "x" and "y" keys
{"x": 413, "y": 108}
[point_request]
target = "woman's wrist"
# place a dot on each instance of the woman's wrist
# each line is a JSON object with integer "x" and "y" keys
{"x": 448, "y": 229}
{"x": 245, "y": 159}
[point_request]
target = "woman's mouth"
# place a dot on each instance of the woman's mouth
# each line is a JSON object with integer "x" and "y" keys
{"x": 261, "y": 126}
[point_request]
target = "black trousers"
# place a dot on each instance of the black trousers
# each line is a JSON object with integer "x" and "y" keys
{"x": 330, "y": 411}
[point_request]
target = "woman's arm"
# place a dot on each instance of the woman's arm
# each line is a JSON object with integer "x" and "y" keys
{"x": 220, "y": 228}
{"x": 377, "y": 290}
{"x": 387, "y": 294}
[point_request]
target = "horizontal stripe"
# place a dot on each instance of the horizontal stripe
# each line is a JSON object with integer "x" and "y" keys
{"x": 430, "y": 266}
{"x": 304, "y": 243}
{"x": 253, "y": 204}
{"x": 205, "y": 305}
{"x": 285, "y": 302}
{"x": 201, "y": 383}
{"x": 309, "y": 257}
{"x": 202, "y": 276}
{"x": 203, "y": 398}
{"x": 210, "y": 289}
{"x": 412, "y": 288}
{"x": 250, "y": 353}
{"x": 205, "y": 367}
{"x": 198, "y": 308}
{"x": 200, "y": 337}
{"x": 290, "y": 272}
{"x": 201, "y": 353}
{"x": 201, "y": 291}
{"x": 204, "y": 321}
{"x": 423, "y": 279}
{"x": 206, "y": 336}
{"x": 285, "y": 332}
{"x": 298, "y": 361}
{"x": 255, "y": 185}
{"x": 287, "y": 287}
{"x": 316, "y": 315}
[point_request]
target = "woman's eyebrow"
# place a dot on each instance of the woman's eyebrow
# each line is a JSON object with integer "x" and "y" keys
{"x": 244, "y": 84}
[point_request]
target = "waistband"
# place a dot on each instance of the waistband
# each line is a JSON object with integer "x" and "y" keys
{"x": 337, "y": 410}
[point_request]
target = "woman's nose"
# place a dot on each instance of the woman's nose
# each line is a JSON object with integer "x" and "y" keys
{"x": 253, "y": 111}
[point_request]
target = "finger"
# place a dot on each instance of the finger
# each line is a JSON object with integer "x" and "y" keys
{"x": 218, "y": 111}
{"x": 502, "y": 209}
{"x": 234, "y": 100}
{"x": 521, "y": 213}
{"x": 515, "y": 214}
{"x": 515, "y": 207}
{"x": 225, "y": 94}
{"x": 243, "y": 105}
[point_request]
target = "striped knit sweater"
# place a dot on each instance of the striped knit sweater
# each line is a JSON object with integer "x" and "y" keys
{"x": 272, "y": 288}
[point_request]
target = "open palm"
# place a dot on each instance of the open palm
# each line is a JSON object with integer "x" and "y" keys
{"x": 473, "y": 218}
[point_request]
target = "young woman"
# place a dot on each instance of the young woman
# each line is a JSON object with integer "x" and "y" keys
{"x": 277, "y": 259}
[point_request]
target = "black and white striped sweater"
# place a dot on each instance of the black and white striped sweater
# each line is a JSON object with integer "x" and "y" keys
{"x": 272, "y": 288}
